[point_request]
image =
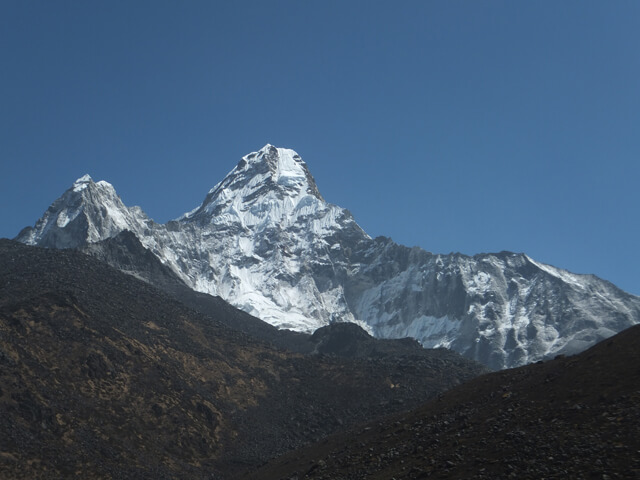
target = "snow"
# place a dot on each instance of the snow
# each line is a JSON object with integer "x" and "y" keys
{"x": 67, "y": 215}
{"x": 289, "y": 171}
{"x": 82, "y": 183}
{"x": 265, "y": 241}
{"x": 558, "y": 273}
{"x": 480, "y": 283}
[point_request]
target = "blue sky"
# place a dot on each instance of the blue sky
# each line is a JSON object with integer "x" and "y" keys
{"x": 474, "y": 126}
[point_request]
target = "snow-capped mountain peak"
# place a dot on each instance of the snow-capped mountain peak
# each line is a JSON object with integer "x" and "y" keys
{"x": 270, "y": 186}
{"x": 86, "y": 213}
{"x": 287, "y": 168}
{"x": 82, "y": 183}
{"x": 265, "y": 240}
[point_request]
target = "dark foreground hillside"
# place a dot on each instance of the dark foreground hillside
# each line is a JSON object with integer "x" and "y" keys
{"x": 576, "y": 417}
{"x": 104, "y": 376}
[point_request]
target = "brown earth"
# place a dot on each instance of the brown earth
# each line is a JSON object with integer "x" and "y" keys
{"x": 104, "y": 376}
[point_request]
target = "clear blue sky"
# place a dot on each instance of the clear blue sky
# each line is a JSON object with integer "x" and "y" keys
{"x": 474, "y": 126}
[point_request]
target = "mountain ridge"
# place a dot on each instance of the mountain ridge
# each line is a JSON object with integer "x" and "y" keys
{"x": 265, "y": 240}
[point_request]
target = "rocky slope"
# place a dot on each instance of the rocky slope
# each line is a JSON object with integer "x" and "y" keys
{"x": 573, "y": 417}
{"x": 265, "y": 240}
{"x": 103, "y": 375}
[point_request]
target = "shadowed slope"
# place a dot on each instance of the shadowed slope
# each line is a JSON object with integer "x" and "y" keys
{"x": 104, "y": 376}
{"x": 574, "y": 417}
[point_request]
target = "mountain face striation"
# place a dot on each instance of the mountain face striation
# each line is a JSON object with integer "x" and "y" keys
{"x": 265, "y": 240}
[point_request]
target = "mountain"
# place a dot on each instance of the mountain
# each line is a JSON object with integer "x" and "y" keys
{"x": 103, "y": 375}
{"x": 265, "y": 240}
{"x": 571, "y": 417}
{"x": 88, "y": 212}
{"x": 125, "y": 252}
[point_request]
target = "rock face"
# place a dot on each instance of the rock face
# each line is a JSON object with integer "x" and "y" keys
{"x": 265, "y": 240}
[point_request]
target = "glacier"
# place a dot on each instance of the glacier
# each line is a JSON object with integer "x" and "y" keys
{"x": 265, "y": 240}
